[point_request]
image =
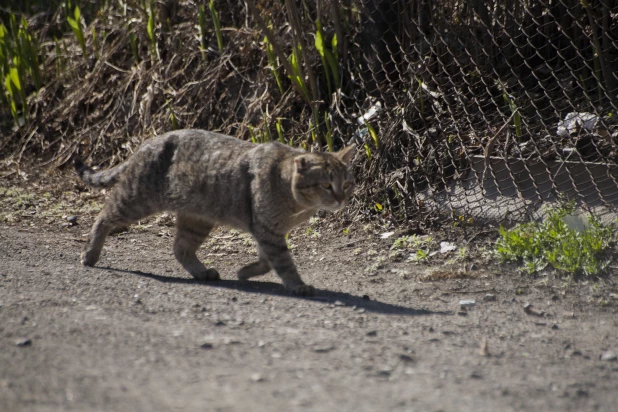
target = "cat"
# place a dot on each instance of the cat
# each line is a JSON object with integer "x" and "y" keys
{"x": 211, "y": 179}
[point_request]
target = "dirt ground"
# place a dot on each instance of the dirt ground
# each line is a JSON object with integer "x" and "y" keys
{"x": 136, "y": 333}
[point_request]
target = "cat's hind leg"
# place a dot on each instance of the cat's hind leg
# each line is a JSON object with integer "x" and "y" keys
{"x": 259, "y": 268}
{"x": 190, "y": 234}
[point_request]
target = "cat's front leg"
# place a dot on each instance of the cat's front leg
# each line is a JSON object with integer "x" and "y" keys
{"x": 280, "y": 259}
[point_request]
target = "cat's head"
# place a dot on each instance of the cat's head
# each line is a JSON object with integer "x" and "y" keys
{"x": 323, "y": 180}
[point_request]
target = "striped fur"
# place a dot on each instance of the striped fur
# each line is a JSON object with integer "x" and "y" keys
{"x": 210, "y": 179}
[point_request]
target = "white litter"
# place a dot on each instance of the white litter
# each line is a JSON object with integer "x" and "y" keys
{"x": 573, "y": 120}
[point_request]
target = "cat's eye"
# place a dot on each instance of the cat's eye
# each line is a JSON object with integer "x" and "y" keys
{"x": 346, "y": 185}
{"x": 327, "y": 186}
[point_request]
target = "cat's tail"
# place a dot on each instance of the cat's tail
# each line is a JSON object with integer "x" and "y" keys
{"x": 105, "y": 178}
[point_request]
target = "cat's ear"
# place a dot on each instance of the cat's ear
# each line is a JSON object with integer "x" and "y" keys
{"x": 301, "y": 163}
{"x": 346, "y": 153}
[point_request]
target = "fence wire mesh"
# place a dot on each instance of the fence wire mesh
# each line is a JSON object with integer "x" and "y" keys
{"x": 480, "y": 108}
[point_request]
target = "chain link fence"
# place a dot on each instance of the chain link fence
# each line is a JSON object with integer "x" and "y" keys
{"x": 485, "y": 109}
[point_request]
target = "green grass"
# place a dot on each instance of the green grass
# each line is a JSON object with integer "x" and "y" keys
{"x": 151, "y": 29}
{"x": 329, "y": 57}
{"x": 552, "y": 243}
{"x": 76, "y": 26}
{"x": 217, "y": 24}
{"x": 272, "y": 63}
{"x": 19, "y": 66}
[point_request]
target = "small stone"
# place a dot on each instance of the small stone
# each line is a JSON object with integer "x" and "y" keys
{"x": 323, "y": 348}
{"x": 372, "y": 333}
{"x": 406, "y": 358}
{"x": 530, "y": 310}
{"x": 23, "y": 342}
{"x": 554, "y": 326}
{"x": 484, "y": 349}
{"x": 257, "y": 377}
{"x": 339, "y": 303}
{"x": 476, "y": 375}
{"x": 467, "y": 303}
{"x": 72, "y": 219}
{"x": 489, "y": 298}
{"x": 608, "y": 356}
{"x": 207, "y": 345}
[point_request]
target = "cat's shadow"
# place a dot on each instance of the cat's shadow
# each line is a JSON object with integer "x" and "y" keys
{"x": 276, "y": 289}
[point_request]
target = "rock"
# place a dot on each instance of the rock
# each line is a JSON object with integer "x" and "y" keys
{"x": 323, "y": 348}
{"x": 27, "y": 342}
{"x": 72, "y": 219}
{"x": 406, "y": 358}
{"x": 608, "y": 356}
{"x": 484, "y": 349}
{"x": 339, "y": 303}
{"x": 467, "y": 303}
{"x": 257, "y": 377}
{"x": 462, "y": 311}
{"x": 489, "y": 298}
{"x": 207, "y": 345}
{"x": 530, "y": 310}
{"x": 372, "y": 333}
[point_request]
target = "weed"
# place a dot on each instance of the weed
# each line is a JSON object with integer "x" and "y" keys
{"x": 272, "y": 62}
{"x": 150, "y": 29}
{"x": 553, "y": 242}
{"x": 419, "y": 255}
{"x": 215, "y": 19}
{"x": 296, "y": 76}
{"x": 312, "y": 232}
{"x": 76, "y": 26}
{"x": 411, "y": 242}
{"x": 329, "y": 133}
{"x": 328, "y": 56}
{"x": 515, "y": 111}
{"x": 19, "y": 64}
{"x": 279, "y": 130}
{"x": 463, "y": 253}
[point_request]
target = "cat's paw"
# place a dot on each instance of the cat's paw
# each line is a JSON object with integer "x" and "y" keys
{"x": 252, "y": 270}
{"x": 89, "y": 258}
{"x": 302, "y": 290}
{"x": 206, "y": 275}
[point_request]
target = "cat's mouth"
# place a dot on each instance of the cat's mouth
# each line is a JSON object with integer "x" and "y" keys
{"x": 336, "y": 205}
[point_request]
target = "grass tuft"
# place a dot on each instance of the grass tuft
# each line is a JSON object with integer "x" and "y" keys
{"x": 554, "y": 243}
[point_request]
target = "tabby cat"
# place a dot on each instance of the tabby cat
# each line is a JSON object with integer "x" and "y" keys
{"x": 211, "y": 179}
